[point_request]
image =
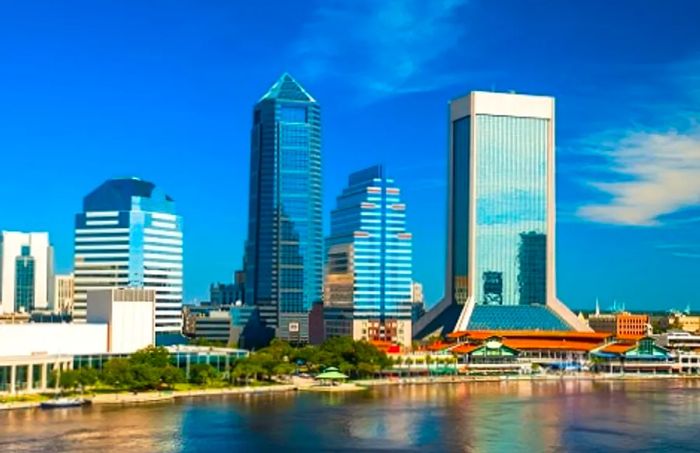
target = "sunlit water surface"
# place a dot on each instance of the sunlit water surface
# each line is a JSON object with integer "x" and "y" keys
{"x": 573, "y": 416}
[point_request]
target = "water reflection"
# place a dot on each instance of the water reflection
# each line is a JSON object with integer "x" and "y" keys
{"x": 565, "y": 415}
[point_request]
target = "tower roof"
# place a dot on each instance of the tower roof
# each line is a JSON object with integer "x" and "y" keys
{"x": 288, "y": 89}
{"x": 116, "y": 194}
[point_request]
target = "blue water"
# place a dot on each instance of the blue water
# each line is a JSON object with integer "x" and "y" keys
{"x": 576, "y": 416}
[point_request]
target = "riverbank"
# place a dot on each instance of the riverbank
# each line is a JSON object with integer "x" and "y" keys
{"x": 425, "y": 380}
{"x": 127, "y": 398}
{"x": 161, "y": 396}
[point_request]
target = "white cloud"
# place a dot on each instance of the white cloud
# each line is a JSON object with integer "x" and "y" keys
{"x": 384, "y": 47}
{"x": 653, "y": 174}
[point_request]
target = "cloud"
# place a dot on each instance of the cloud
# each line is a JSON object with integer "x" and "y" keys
{"x": 383, "y": 48}
{"x": 687, "y": 255}
{"x": 653, "y": 174}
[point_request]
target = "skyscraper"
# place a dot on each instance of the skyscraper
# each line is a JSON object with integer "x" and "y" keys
{"x": 369, "y": 259}
{"x": 284, "y": 249}
{"x": 501, "y": 217}
{"x": 26, "y": 271}
{"x": 129, "y": 234}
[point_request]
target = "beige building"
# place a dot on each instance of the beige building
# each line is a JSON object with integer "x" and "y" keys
{"x": 64, "y": 290}
{"x": 683, "y": 322}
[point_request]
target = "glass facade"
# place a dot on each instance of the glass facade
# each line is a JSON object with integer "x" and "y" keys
{"x": 284, "y": 246}
{"x": 499, "y": 208}
{"x": 511, "y": 210}
{"x": 500, "y": 268}
{"x": 130, "y": 235}
{"x": 369, "y": 257}
{"x": 24, "y": 281}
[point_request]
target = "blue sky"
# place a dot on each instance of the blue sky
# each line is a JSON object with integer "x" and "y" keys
{"x": 164, "y": 90}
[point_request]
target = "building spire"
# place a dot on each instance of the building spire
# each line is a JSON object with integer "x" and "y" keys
{"x": 597, "y": 307}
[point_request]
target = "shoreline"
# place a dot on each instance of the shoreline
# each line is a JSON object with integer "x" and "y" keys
{"x": 125, "y": 398}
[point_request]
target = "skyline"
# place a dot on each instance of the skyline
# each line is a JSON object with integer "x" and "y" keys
{"x": 613, "y": 135}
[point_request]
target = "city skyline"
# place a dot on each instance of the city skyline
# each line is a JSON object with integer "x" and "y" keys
{"x": 197, "y": 107}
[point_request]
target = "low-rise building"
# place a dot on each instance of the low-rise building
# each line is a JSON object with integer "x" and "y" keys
{"x": 679, "y": 341}
{"x": 681, "y": 321}
{"x": 214, "y": 326}
{"x": 621, "y": 323}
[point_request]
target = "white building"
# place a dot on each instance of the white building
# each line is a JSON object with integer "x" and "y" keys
{"x": 130, "y": 314}
{"x": 129, "y": 234}
{"x": 26, "y": 271}
{"x": 53, "y": 339}
{"x": 64, "y": 293}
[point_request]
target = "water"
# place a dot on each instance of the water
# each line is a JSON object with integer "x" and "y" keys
{"x": 482, "y": 417}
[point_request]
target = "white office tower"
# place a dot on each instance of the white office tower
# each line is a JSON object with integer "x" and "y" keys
{"x": 26, "y": 271}
{"x": 129, "y": 235}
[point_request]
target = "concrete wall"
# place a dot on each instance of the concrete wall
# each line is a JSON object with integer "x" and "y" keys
{"x": 50, "y": 338}
{"x": 130, "y": 313}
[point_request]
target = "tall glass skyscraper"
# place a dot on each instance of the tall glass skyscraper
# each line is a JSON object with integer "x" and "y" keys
{"x": 129, "y": 234}
{"x": 369, "y": 260}
{"x": 284, "y": 249}
{"x": 501, "y": 217}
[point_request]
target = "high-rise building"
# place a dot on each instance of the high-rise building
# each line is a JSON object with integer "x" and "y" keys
{"x": 501, "y": 218}
{"x": 26, "y": 271}
{"x": 284, "y": 249}
{"x": 129, "y": 235}
{"x": 418, "y": 302}
{"x": 369, "y": 259}
{"x": 64, "y": 294}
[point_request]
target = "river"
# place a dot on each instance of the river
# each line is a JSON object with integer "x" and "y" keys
{"x": 569, "y": 415}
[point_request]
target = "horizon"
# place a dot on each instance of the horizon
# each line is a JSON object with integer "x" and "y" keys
{"x": 172, "y": 103}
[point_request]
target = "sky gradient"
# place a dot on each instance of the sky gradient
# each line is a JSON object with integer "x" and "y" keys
{"x": 164, "y": 90}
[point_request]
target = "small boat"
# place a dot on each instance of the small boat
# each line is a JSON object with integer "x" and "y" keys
{"x": 60, "y": 403}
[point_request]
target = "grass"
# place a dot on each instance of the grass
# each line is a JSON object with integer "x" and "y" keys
{"x": 28, "y": 398}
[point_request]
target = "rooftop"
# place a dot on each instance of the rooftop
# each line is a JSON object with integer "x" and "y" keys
{"x": 515, "y": 317}
{"x": 118, "y": 195}
{"x": 287, "y": 89}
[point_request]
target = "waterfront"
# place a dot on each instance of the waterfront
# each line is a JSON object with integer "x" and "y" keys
{"x": 568, "y": 415}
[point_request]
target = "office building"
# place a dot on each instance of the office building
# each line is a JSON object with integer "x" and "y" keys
{"x": 215, "y": 325}
{"x": 284, "y": 249}
{"x": 369, "y": 263}
{"x": 224, "y": 294}
{"x": 130, "y": 235}
{"x": 501, "y": 218}
{"x": 64, "y": 293}
{"x": 26, "y": 272}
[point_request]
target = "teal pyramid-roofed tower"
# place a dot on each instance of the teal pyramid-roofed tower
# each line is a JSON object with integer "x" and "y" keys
{"x": 284, "y": 250}
{"x": 287, "y": 89}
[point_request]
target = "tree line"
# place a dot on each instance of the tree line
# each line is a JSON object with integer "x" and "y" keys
{"x": 151, "y": 368}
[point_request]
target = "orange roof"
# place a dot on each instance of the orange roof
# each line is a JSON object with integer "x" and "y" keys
{"x": 533, "y": 334}
{"x": 560, "y": 345}
{"x": 438, "y": 346}
{"x": 465, "y": 348}
{"x": 458, "y": 334}
{"x": 617, "y": 348}
{"x": 634, "y": 338}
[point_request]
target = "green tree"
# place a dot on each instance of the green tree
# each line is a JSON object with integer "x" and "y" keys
{"x": 68, "y": 379}
{"x": 117, "y": 373}
{"x": 283, "y": 369}
{"x": 155, "y": 356}
{"x": 172, "y": 375}
{"x": 87, "y": 377}
{"x": 203, "y": 374}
